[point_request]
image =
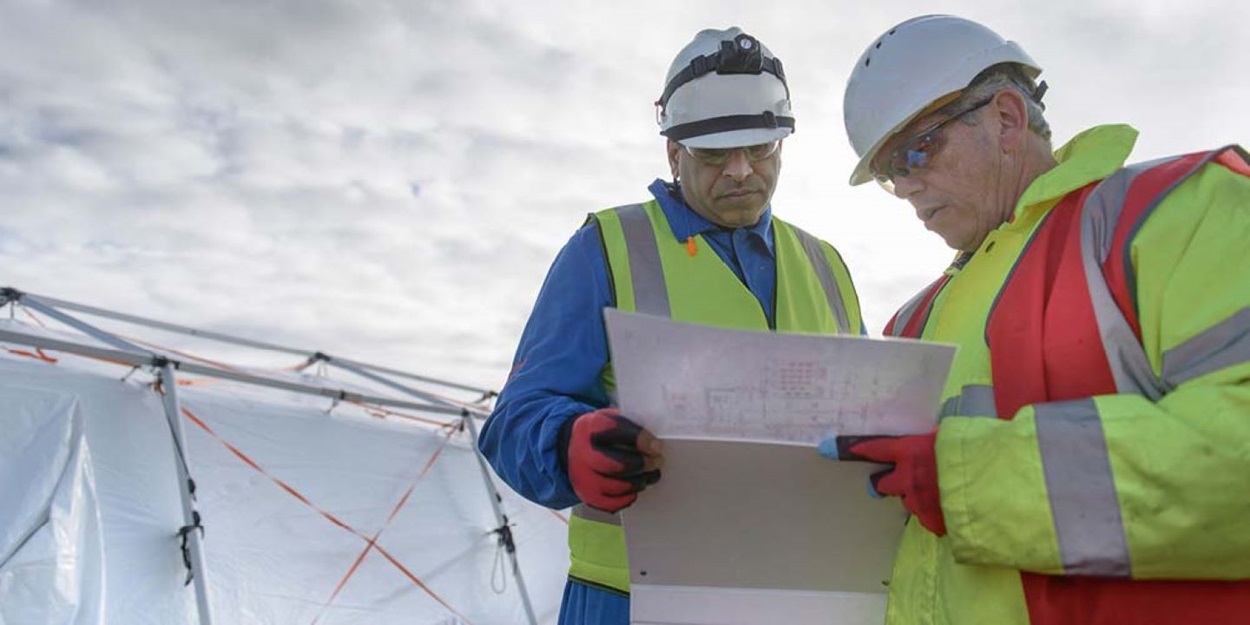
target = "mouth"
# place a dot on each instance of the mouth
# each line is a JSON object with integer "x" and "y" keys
{"x": 925, "y": 214}
{"x": 738, "y": 193}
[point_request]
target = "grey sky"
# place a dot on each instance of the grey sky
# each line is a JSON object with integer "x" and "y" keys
{"x": 389, "y": 180}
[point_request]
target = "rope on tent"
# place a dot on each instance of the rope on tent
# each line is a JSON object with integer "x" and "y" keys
{"x": 504, "y": 547}
{"x": 495, "y": 501}
{"x": 468, "y": 413}
{"x": 133, "y": 357}
{"x": 252, "y": 463}
{"x": 372, "y": 542}
{"x": 38, "y": 354}
{"x": 241, "y": 455}
{"x": 32, "y": 315}
{"x": 192, "y": 549}
{"x": 382, "y": 413}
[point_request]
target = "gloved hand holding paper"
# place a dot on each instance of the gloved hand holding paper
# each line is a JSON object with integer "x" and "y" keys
{"x": 750, "y": 524}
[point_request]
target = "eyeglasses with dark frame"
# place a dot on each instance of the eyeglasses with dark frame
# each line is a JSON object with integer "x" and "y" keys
{"x": 719, "y": 156}
{"x": 916, "y": 153}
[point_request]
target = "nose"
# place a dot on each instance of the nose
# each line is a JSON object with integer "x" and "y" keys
{"x": 738, "y": 166}
{"x": 905, "y": 186}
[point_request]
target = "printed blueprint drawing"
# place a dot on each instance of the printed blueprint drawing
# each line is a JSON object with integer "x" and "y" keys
{"x": 683, "y": 380}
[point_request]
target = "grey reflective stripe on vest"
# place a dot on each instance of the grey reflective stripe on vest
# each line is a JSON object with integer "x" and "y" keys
{"x": 650, "y": 297}
{"x": 583, "y": 511}
{"x": 1070, "y": 436}
{"x": 904, "y": 314}
{"x": 1101, "y": 213}
{"x": 1129, "y": 365}
{"x": 973, "y": 400}
{"x": 1081, "y": 488}
{"x": 1225, "y": 344}
{"x": 650, "y": 288}
{"x": 816, "y": 256}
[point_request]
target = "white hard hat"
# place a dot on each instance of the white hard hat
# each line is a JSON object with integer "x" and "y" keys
{"x": 725, "y": 90}
{"x": 912, "y": 66}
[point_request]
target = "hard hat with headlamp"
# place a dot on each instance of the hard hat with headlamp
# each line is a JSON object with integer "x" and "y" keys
{"x": 920, "y": 63}
{"x": 725, "y": 90}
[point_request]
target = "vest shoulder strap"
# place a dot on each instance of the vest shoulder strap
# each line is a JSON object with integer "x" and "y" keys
{"x": 814, "y": 248}
{"x": 644, "y": 273}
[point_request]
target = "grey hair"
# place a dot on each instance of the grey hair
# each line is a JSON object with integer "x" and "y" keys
{"x": 1007, "y": 76}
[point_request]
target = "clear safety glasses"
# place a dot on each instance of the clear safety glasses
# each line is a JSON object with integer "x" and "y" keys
{"x": 915, "y": 154}
{"x": 720, "y": 156}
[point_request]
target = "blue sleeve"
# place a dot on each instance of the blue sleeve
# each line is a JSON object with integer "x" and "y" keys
{"x": 555, "y": 374}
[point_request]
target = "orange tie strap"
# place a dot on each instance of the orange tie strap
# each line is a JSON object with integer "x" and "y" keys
{"x": 38, "y": 354}
{"x": 371, "y": 543}
{"x": 690, "y": 248}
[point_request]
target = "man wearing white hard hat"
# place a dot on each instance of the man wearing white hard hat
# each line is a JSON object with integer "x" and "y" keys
{"x": 705, "y": 248}
{"x": 1092, "y": 460}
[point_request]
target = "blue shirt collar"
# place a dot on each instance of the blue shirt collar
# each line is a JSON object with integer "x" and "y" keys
{"x": 687, "y": 223}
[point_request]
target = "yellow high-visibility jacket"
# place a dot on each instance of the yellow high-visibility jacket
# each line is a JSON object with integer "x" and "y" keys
{"x": 1094, "y": 451}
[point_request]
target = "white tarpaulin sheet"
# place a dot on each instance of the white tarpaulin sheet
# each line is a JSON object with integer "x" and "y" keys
{"x": 51, "y": 547}
{"x": 311, "y": 515}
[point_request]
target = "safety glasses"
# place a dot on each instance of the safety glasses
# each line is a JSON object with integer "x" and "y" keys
{"x": 720, "y": 156}
{"x": 915, "y": 154}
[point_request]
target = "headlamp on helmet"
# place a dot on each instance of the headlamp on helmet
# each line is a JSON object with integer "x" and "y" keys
{"x": 725, "y": 89}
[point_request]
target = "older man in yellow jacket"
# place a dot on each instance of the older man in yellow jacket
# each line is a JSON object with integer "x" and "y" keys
{"x": 1092, "y": 463}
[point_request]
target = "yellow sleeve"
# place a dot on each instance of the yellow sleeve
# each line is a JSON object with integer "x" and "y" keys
{"x": 1180, "y": 467}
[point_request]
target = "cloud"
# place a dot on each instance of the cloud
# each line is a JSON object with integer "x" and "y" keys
{"x": 389, "y": 181}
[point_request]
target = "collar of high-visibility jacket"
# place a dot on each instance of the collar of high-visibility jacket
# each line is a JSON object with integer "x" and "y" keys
{"x": 1091, "y": 155}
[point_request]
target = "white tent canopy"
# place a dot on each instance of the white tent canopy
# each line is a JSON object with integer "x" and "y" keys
{"x": 354, "y": 499}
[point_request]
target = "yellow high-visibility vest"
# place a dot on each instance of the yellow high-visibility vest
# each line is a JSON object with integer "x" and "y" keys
{"x": 652, "y": 272}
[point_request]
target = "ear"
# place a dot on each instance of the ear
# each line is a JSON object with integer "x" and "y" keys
{"x": 674, "y": 152}
{"x": 1012, "y": 116}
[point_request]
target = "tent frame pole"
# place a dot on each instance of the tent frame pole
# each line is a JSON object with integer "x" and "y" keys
{"x": 186, "y": 487}
{"x": 128, "y": 353}
{"x": 503, "y": 528}
{"x": 150, "y": 360}
{"x": 45, "y": 304}
{"x": 192, "y": 531}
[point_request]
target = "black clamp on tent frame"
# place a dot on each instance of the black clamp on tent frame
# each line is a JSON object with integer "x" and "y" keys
{"x": 505, "y": 535}
{"x": 9, "y": 294}
{"x": 186, "y": 551}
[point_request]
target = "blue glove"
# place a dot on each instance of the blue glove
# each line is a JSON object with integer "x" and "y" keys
{"x": 838, "y": 448}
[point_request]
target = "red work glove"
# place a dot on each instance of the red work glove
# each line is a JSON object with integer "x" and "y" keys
{"x": 914, "y": 476}
{"x": 609, "y": 458}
